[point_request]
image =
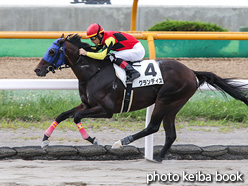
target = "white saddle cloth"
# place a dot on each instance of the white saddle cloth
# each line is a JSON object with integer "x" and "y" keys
{"x": 149, "y": 70}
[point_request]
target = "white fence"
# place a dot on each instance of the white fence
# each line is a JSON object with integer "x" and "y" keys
{"x": 72, "y": 84}
{"x": 38, "y": 84}
{"x": 63, "y": 84}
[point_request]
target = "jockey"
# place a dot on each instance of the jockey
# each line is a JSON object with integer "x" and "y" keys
{"x": 125, "y": 46}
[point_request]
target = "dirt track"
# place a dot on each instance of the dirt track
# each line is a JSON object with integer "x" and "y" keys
{"x": 22, "y": 68}
{"x": 114, "y": 173}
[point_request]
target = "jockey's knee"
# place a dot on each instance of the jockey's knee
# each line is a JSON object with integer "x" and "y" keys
{"x": 118, "y": 61}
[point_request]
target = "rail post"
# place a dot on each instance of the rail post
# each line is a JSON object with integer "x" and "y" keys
{"x": 149, "y": 139}
{"x": 134, "y": 15}
{"x": 151, "y": 47}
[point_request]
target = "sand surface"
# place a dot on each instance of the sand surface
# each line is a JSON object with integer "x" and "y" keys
{"x": 22, "y": 68}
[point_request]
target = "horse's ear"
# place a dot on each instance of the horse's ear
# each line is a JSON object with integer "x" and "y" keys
{"x": 62, "y": 36}
{"x": 69, "y": 36}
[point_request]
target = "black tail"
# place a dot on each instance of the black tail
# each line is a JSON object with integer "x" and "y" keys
{"x": 224, "y": 85}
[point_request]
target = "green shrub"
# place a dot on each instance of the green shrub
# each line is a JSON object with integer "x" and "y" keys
{"x": 170, "y": 25}
{"x": 188, "y": 48}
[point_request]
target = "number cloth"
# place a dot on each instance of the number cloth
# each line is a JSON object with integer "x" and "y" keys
{"x": 149, "y": 70}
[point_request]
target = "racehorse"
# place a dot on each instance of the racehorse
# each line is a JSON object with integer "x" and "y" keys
{"x": 101, "y": 92}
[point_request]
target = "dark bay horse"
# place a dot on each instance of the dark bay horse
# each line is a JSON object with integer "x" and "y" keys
{"x": 101, "y": 92}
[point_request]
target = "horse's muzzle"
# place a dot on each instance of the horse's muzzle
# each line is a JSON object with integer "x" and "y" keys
{"x": 41, "y": 73}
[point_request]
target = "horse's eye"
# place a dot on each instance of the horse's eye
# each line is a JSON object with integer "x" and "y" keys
{"x": 52, "y": 52}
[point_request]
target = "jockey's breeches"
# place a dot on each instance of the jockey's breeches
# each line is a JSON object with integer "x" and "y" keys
{"x": 135, "y": 54}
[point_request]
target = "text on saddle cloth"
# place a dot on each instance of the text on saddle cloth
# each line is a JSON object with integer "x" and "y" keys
{"x": 149, "y": 70}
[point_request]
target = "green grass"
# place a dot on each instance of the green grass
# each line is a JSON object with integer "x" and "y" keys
{"x": 37, "y": 109}
{"x": 215, "y": 108}
{"x": 36, "y": 105}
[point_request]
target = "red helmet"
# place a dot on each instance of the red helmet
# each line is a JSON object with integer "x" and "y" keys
{"x": 94, "y": 29}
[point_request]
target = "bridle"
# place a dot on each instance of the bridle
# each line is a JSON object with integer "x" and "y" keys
{"x": 52, "y": 66}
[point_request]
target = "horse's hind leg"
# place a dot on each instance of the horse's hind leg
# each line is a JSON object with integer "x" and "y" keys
{"x": 162, "y": 111}
{"x": 170, "y": 132}
{"x": 153, "y": 126}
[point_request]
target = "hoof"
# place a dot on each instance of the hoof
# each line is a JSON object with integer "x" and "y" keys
{"x": 44, "y": 144}
{"x": 117, "y": 145}
{"x": 95, "y": 142}
{"x": 158, "y": 159}
{"x": 152, "y": 160}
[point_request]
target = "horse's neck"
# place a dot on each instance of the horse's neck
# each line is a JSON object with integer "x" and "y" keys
{"x": 83, "y": 67}
{"x": 87, "y": 68}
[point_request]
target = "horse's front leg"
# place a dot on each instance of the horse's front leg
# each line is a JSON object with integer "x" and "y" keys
{"x": 94, "y": 112}
{"x": 63, "y": 116}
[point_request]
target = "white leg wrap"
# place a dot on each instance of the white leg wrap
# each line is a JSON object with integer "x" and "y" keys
{"x": 117, "y": 145}
{"x": 95, "y": 142}
{"x": 44, "y": 144}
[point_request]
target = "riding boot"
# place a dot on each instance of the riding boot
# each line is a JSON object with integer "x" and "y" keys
{"x": 131, "y": 73}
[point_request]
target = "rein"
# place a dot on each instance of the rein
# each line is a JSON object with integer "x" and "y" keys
{"x": 78, "y": 62}
{"x": 83, "y": 82}
{"x": 98, "y": 70}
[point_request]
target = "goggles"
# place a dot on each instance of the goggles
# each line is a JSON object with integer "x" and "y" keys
{"x": 93, "y": 38}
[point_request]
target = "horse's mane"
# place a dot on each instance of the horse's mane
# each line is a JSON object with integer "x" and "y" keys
{"x": 76, "y": 40}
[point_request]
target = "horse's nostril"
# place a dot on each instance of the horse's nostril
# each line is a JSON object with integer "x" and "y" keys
{"x": 36, "y": 70}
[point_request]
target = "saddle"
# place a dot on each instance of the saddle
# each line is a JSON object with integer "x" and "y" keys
{"x": 150, "y": 75}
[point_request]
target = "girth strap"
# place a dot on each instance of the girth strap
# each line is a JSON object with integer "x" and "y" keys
{"x": 127, "y": 98}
